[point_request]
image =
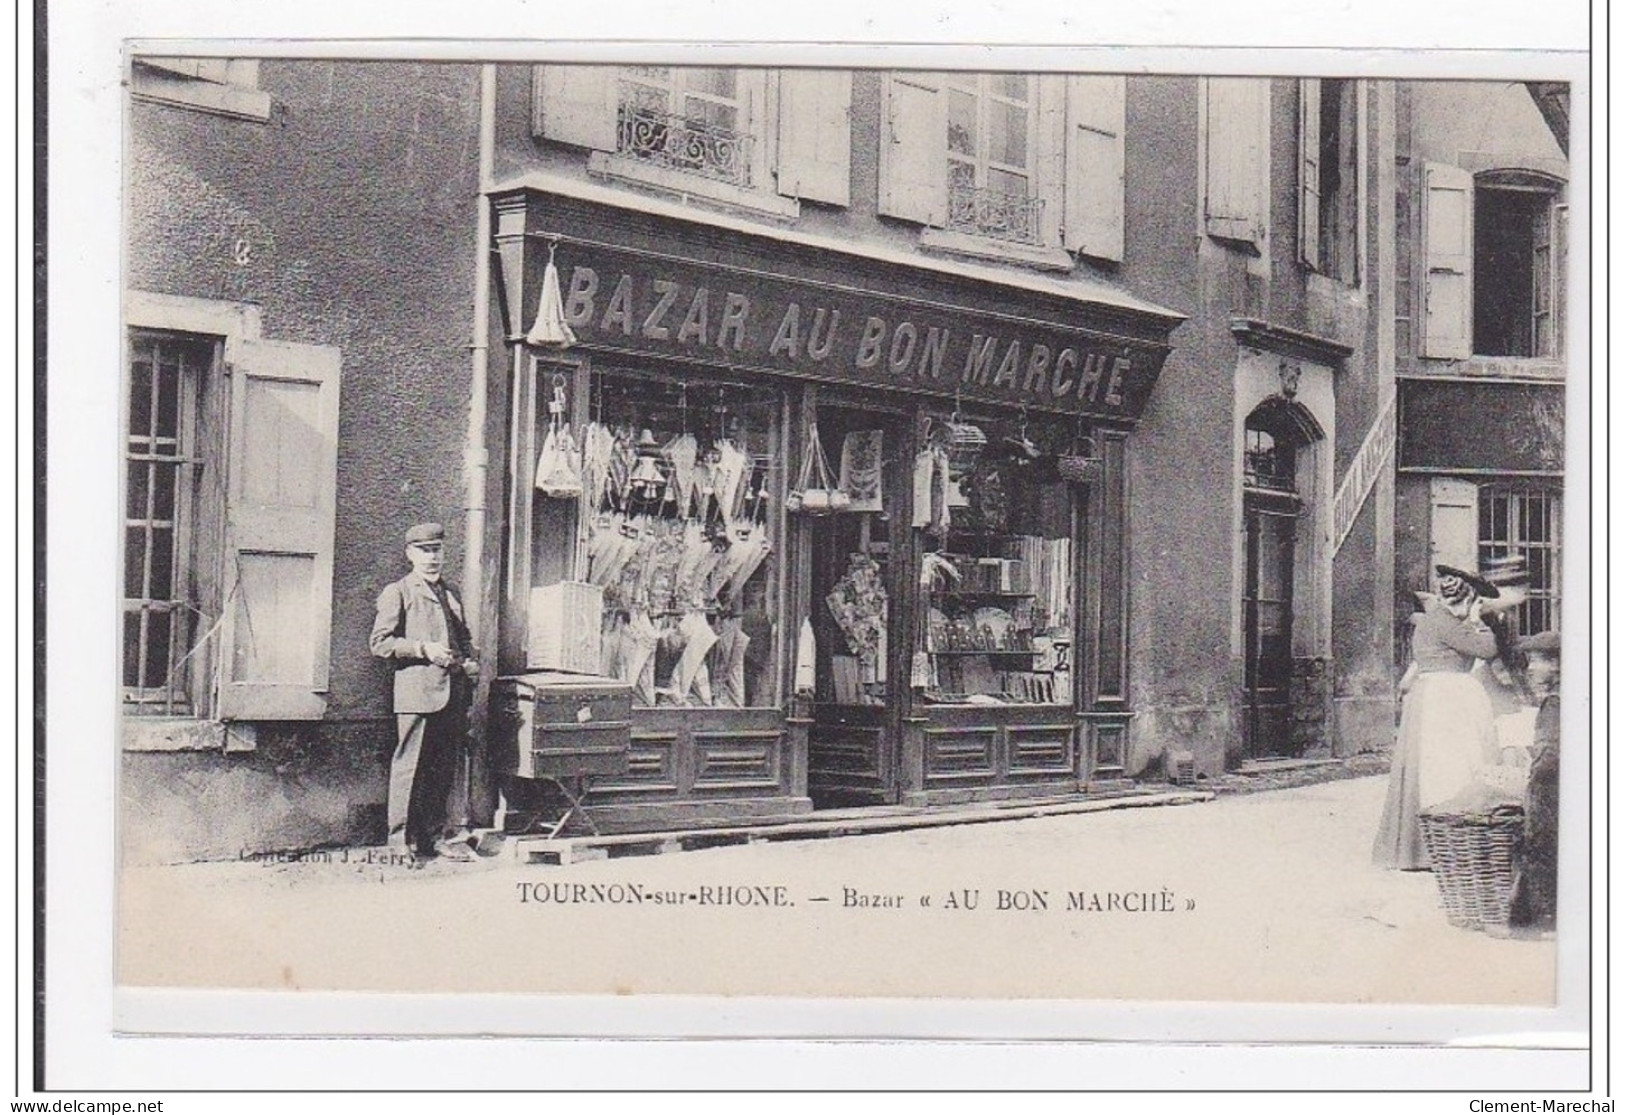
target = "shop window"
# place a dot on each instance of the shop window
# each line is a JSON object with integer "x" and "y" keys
{"x": 1236, "y": 161}
{"x": 227, "y": 86}
{"x": 751, "y": 138}
{"x": 998, "y": 572}
{"x": 1496, "y": 261}
{"x": 1012, "y": 166}
{"x": 228, "y": 518}
{"x": 681, "y": 482}
{"x": 1329, "y": 176}
{"x": 1525, "y": 521}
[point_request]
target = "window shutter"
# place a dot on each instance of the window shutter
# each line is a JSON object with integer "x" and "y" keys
{"x": 1309, "y": 171}
{"x": 1560, "y": 279}
{"x": 576, "y": 105}
{"x": 1454, "y": 535}
{"x": 217, "y": 70}
{"x": 280, "y": 489}
{"x": 1447, "y": 231}
{"x": 1094, "y": 165}
{"x": 1236, "y": 154}
{"x": 815, "y": 135}
{"x": 1049, "y": 157}
{"x": 914, "y": 149}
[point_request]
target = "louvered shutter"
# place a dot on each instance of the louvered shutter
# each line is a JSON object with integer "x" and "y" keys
{"x": 1309, "y": 171}
{"x": 914, "y": 148}
{"x": 1447, "y": 230}
{"x": 280, "y": 495}
{"x": 1094, "y": 165}
{"x": 815, "y": 135}
{"x": 1237, "y": 151}
{"x": 576, "y": 105}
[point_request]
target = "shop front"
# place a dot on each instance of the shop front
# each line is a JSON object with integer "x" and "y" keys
{"x": 845, "y": 528}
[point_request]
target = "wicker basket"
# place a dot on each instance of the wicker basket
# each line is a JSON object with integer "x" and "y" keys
{"x": 1472, "y": 856}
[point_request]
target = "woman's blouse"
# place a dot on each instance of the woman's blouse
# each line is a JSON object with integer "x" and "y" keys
{"x": 1443, "y": 643}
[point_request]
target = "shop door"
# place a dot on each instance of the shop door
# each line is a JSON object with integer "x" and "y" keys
{"x": 1267, "y": 626}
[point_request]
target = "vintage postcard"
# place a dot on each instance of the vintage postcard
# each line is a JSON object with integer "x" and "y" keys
{"x": 641, "y": 521}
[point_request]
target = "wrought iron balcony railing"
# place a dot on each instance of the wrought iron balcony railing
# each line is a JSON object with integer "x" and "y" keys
{"x": 984, "y": 212}
{"x": 695, "y": 146}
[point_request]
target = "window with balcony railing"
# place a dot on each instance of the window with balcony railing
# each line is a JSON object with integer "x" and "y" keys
{"x": 691, "y": 119}
{"x": 1021, "y": 168}
{"x": 990, "y": 157}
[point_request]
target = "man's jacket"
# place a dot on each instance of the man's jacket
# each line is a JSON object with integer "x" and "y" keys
{"x": 409, "y": 615}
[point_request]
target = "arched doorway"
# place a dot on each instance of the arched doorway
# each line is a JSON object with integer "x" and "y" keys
{"x": 1275, "y": 433}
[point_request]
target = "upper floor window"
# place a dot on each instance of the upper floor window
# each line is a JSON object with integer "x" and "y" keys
{"x": 1514, "y": 264}
{"x": 991, "y": 120}
{"x": 752, "y": 139}
{"x": 693, "y": 119}
{"x": 1496, "y": 257}
{"x": 1329, "y": 177}
{"x": 1021, "y": 167}
{"x": 228, "y": 86}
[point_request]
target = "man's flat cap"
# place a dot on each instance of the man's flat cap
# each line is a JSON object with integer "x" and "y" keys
{"x": 426, "y": 534}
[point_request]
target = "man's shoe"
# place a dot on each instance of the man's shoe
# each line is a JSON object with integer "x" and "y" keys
{"x": 488, "y": 842}
{"x": 455, "y": 852}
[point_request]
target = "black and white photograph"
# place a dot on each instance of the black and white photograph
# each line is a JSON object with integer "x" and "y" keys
{"x": 654, "y": 522}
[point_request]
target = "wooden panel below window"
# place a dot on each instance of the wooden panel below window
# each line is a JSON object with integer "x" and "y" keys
{"x": 1041, "y": 749}
{"x": 651, "y": 766}
{"x": 737, "y": 760}
{"x": 959, "y": 753}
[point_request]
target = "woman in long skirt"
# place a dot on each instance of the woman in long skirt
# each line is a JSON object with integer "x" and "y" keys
{"x": 1446, "y": 727}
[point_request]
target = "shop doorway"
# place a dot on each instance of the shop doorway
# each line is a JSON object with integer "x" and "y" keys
{"x": 859, "y": 560}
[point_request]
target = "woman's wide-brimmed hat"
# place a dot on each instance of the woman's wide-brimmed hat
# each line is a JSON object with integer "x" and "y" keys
{"x": 1473, "y": 580}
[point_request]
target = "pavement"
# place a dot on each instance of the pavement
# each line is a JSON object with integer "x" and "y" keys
{"x": 1248, "y": 897}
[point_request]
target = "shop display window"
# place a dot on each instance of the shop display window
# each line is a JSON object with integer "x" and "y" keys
{"x": 998, "y": 581}
{"x": 680, "y": 497}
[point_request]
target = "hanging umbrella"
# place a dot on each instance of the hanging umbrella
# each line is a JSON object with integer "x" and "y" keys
{"x": 550, "y": 328}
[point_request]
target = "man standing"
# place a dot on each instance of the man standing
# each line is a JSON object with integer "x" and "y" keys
{"x": 1534, "y": 885}
{"x": 421, "y": 631}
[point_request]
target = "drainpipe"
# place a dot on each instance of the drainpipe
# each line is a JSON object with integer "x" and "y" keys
{"x": 476, "y": 459}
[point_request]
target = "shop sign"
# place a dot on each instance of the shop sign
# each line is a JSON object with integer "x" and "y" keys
{"x": 1489, "y": 426}
{"x": 652, "y": 305}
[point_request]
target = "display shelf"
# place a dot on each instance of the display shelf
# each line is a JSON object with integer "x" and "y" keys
{"x": 1027, "y": 653}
